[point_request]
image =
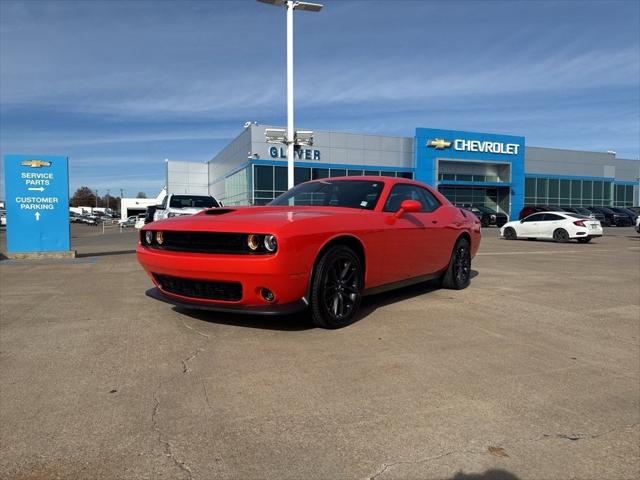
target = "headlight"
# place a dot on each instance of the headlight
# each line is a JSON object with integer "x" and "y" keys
{"x": 270, "y": 243}
{"x": 253, "y": 242}
{"x": 148, "y": 236}
{"x": 159, "y": 238}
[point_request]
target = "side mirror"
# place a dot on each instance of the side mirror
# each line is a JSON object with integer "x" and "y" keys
{"x": 408, "y": 206}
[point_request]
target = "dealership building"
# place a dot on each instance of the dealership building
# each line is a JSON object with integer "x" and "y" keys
{"x": 498, "y": 171}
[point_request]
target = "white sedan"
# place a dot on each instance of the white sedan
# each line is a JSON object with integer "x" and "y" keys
{"x": 559, "y": 226}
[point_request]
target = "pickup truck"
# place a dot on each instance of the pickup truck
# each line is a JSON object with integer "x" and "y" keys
{"x": 175, "y": 205}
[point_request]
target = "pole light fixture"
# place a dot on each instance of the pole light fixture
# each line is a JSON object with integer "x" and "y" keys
{"x": 290, "y": 138}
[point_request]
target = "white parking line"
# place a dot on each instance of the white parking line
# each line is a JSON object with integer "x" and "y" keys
{"x": 545, "y": 252}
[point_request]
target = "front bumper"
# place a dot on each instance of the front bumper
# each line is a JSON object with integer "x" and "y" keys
{"x": 268, "y": 309}
{"x": 273, "y": 272}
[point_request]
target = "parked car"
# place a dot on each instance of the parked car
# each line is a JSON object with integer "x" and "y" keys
{"x": 559, "y": 226}
{"x": 175, "y": 205}
{"x": 612, "y": 218}
{"x": 129, "y": 221}
{"x": 323, "y": 244}
{"x": 3, "y": 218}
{"x": 132, "y": 221}
{"x": 488, "y": 216}
{"x": 625, "y": 211}
{"x": 587, "y": 213}
{"x": 638, "y": 224}
{"x": 529, "y": 209}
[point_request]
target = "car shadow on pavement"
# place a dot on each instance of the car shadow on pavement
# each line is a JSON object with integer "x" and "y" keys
{"x": 302, "y": 320}
{"x": 106, "y": 254}
{"x": 290, "y": 323}
{"x": 493, "y": 474}
{"x": 371, "y": 303}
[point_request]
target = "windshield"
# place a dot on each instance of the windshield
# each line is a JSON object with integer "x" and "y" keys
{"x": 192, "y": 201}
{"x": 362, "y": 194}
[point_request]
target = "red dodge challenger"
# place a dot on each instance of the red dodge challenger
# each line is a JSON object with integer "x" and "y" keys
{"x": 322, "y": 245}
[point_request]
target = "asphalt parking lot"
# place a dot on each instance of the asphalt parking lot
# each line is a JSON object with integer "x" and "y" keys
{"x": 530, "y": 373}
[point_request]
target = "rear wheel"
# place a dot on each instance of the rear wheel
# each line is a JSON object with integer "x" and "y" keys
{"x": 560, "y": 235}
{"x": 336, "y": 289}
{"x": 584, "y": 240}
{"x": 510, "y": 234}
{"x": 458, "y": 274}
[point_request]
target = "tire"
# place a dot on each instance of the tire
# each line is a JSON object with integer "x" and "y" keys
{"x": 484, "y": 222}
{"x": 584, "y": 240}
{"x": 336, "y": 288}
{"x": 458, "y": 274}
{"x": 510, "y": 234}
{"x": 560, "y": 235}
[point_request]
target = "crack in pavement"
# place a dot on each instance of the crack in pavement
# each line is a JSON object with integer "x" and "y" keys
{"x": 185, "y": 362}
{"x": 165, "y": 443}
{"x": 545, "y": 436}
{"x": 195, "y": 330}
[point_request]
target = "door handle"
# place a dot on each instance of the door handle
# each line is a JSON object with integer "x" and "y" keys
{"x": 434, "y": 221}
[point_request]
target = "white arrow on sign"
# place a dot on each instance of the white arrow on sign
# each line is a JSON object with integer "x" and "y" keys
{"x": 37, "y": 216}
{"x": 39, "y": 189}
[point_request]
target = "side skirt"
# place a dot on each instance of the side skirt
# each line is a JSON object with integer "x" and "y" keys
{"x": 402, "y": 283}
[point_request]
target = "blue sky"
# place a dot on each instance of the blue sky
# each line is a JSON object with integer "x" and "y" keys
{"x": 119, "y": 86}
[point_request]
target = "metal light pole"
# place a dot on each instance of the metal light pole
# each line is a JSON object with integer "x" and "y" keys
{"x": 290, "y": 137}
{"x": 96, "y": 198}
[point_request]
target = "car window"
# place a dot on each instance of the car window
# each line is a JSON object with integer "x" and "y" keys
{"x": 192, "y": 201}
{"x": 404, "y": 191}
{"x": 361, "y": 194}
{"x": 537, "y": 217}
{"x": 550, "y": 217}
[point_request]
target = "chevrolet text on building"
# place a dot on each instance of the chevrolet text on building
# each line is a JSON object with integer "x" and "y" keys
{"x": 463, "y": 145}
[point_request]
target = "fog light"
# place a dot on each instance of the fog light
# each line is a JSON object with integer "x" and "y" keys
{"x": 253, "y": 242}
{"x": 148, "y": 236}
{"x": 270, "y": 243}
{"x": 159, "y": 238}
{"x": 267, "y": 295}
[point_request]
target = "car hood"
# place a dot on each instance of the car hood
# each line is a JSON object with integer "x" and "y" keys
{"x": 249, "y": 219}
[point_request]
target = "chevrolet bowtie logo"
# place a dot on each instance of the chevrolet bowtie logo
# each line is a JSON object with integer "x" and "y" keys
{"x": 438, "y": 144}
{"x": 35, "y": 163}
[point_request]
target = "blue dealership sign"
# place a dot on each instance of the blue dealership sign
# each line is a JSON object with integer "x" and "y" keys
{"x": 37, "y": 203}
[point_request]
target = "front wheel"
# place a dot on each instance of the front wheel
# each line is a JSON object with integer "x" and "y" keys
{"x": 458, "y": 274}
{"x": 560, "y": 235}
{"x": 336, "y": 288}
{"x": 584, "y": 240}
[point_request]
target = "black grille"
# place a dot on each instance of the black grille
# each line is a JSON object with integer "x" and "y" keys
{"x": 227, "y": 291}
{"x": 205, "y": 242}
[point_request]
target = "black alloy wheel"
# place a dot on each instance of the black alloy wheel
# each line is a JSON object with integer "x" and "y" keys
{"x": 510, "y": 234}
{"x": 484, "y": 222}
{"x": 584, "y": 240}
{"x": 458, "y": 274}
{"x": 336, "y": 289}
{"x": 561, "y": 236}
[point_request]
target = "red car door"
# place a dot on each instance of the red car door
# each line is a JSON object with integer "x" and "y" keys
{"x": 414, "y": 242}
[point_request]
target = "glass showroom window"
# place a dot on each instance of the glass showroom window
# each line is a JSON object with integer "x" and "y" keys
{"x": 587, "y": 193}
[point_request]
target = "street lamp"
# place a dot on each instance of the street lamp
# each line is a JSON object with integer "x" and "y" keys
{"x": 290, "y": 135}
